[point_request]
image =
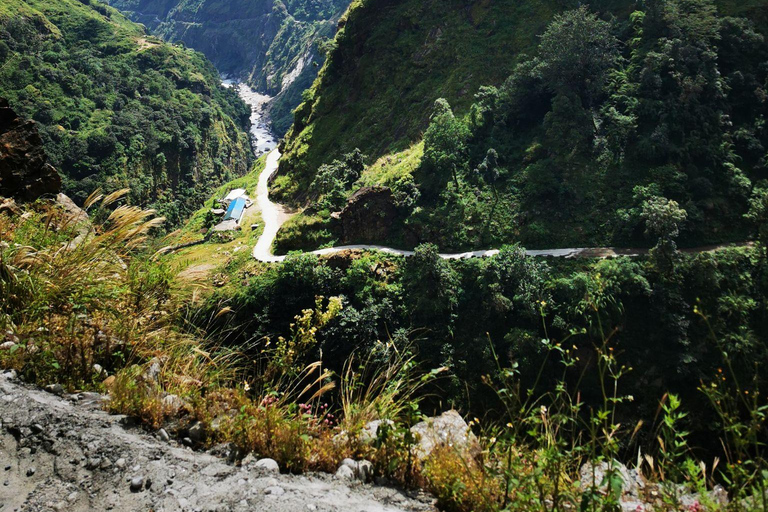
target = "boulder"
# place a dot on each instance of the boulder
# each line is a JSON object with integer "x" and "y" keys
{"x": 371, "y": 430}
{"x": 197, "y": 433}
{"x": 368, "y": 216}
{"x": 592, "y": 475}
{"x": 267, "y": 466}
{"x": 365, "y": 470}
{"x": 345, "y": 473}
{"x": 25, "y": 173}
{"x": 448, "y": 429}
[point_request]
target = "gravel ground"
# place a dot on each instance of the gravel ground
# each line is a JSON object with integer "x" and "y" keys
{"x": 66, "y": 453}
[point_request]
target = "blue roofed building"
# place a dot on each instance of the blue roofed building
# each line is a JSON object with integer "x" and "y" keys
{"x": 235, "y": 210}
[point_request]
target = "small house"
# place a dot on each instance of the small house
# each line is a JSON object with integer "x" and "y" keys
{"x": 235, "y": 210}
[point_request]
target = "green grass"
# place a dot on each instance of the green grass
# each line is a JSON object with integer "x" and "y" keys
{"x": 248, "y": 182}
{"x": 227, "y": 254}
{"x": 389, "y": 169}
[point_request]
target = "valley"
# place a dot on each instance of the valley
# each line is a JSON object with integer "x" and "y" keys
{"x": 386, "y": 255}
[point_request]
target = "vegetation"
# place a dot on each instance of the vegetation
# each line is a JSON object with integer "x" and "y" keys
{"x": 283, "y": 60}
{"x": 118, "y": 109}
{"x": 603, "y": 115}
{"x": 644, "y": 128}
{"x": 561, "y": 388}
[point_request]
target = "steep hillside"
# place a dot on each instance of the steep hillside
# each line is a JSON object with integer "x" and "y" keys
{"x": 568, "y": 151}
{"x": 119, "y": 109}
{"x": 273, "y": 44}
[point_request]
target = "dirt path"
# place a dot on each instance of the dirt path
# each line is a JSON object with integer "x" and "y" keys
{"x": 65, "y": 453}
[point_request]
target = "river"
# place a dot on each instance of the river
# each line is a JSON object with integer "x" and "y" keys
{"x": 262, "y": 138}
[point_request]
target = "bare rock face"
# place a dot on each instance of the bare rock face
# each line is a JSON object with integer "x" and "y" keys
{"x": 25, "y": 173}
{"x": 368, "y": 215}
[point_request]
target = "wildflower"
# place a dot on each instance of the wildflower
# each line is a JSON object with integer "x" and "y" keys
{"x": 509, "y": 425}
{"x": 246, "y": 386}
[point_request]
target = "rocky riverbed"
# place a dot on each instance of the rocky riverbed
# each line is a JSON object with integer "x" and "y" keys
{"x": 64, "y": 452}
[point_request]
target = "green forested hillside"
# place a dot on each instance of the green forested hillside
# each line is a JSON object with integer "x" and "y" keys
{"x": 272, "y": 44}
{"x": 556, "y": 130}
{"x": 118, "y": 108}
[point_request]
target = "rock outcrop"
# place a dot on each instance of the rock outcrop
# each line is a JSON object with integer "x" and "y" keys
{"x": 25, "y": 173}
{"x": 368, "y": 215}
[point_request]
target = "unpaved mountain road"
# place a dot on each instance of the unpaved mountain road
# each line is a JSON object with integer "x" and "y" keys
{"x": 66, "y": 453}
{"x": 275, "y": 215}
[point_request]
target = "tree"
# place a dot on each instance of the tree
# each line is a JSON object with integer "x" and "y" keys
{"x": 662, "y": 219}
{"x": 758, "y": 213}
{"x": 489, "y": 170}
{"x": 431, "y": 287}
{"x": 577, "y": 50}
{"x": 445, "y": 148}
{"x": 333, "y": 180}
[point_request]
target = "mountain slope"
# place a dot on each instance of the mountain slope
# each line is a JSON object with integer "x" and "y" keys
{"x": 526, "y": 148}
{"x": 270, "y": 43}
{"x": 119, "y": 109}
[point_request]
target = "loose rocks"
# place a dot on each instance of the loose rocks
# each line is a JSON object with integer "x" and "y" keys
{"x": 75, "y": 435}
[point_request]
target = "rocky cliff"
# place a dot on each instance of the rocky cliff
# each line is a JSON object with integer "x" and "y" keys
{"x": 25, "y": 173}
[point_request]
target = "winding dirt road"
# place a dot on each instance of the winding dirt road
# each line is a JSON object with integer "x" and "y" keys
{"x": 275, "y": 215}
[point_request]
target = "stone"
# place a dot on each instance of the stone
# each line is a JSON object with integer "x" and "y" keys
{"x": 365, "y": 470}
{"x": 594, "y": 476}
{"x": 25, "y": 173}
{"x": 174, "y": 404}
{"x": 274, "y": 490}
{"x": 152, "y": 372}
{"x": 197, "y": 433}
{"x": 109, "y": 382}
{"x": 267, "y": 465}
{"x": 31, "y": 471}
{"x": 8, "y": 345}
{"x": 350, "y": 463}
{"x": 448, "y": 429}
{"x": 163, "y": 435}
{"x": 56, "y": 389}
{"x": 345, "y": 473}
{"x": 137, "y": 483}
{"x": 371, "y": 430}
